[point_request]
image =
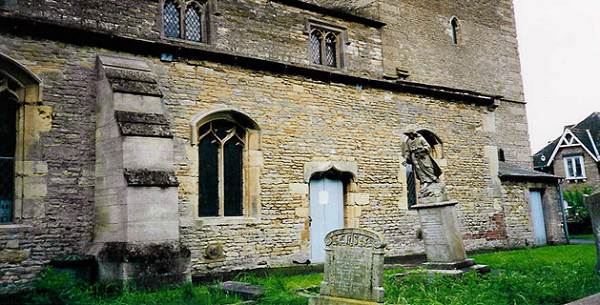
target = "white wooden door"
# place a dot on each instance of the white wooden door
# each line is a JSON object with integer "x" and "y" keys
{"x": 326, "y": 213}
{"x": 537, "y": 215}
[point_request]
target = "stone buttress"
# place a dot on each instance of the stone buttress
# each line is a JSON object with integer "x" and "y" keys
{"x": 136, "y": 206}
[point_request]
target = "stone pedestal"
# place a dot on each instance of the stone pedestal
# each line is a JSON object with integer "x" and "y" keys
{"x": 443, "y": 241}
{"x": 592, "y": 203}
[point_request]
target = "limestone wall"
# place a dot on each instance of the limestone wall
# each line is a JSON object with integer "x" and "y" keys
{"x": 517, "y": 211}
{"x": 301, "y": 120}
{"x": 418, "y": 39}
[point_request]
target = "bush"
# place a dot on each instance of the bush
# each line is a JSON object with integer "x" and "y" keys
{"x": 574, "y": 197}
{"x": 54, "y": 287}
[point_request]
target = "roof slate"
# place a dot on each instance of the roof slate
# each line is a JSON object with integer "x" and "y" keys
{"x": 511, "y": 172}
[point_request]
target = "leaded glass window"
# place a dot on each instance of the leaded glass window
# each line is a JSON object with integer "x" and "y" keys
{"x": 171, "y": 17}
{"x": 186, "y": 20}
{"x": 8, "y": 137}
{"x": 220, "y": 178}
{"x": 316, "y": 40}
{"x": 324, "y": 46}
{"x": 193, "y": 24}
{"x": 330, "y": 50}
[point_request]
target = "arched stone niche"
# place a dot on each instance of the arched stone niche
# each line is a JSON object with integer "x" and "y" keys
{"x": 252, "y": 163}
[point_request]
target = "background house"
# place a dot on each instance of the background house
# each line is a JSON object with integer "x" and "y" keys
{"x": 575, "y": 154}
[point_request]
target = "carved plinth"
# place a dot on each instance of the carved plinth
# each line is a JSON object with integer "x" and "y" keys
{"x": 443, "y": 241}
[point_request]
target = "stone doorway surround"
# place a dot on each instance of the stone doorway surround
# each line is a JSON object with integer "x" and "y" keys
{"x": 355, "y": 201}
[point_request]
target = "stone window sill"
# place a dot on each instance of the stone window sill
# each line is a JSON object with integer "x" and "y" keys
{"x": 231, "y": 220}
{"x": 13, "y": 227}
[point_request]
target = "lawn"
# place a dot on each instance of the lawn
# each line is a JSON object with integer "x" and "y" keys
{"x": 541, "y": 276}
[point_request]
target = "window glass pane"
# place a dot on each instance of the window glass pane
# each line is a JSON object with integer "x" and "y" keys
{"x": 8, "y": 124}
{"x": 208, "y": 176}
{"x": 454, "y": 25}
{"x": 570, "y": 168}
{"x": 578, "y": 166}
{"x": 193, "y": 26}
{"x": 411, "y": 186}
{"x": 171, "y": 19}
{"x": 330, "y": 51}
{"x": 232, "y": 158}
{"x": 315, "y": 47}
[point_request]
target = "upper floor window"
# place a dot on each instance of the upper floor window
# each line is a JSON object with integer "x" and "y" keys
{"x": 325, "y": 45}
{"x": 574, "y": 167}
{"x": 8, "y": 134}
{"x": 221, "y": 157}
{"x": 186, "y": 20}
{"x": 454, "y": 27}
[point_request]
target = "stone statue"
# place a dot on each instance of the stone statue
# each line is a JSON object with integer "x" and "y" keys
{"x": 418, "y": 153}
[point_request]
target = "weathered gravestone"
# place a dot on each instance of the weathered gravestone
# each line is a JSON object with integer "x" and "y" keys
{"x": 592, "y": 203}
{"x": 353, "y": 269}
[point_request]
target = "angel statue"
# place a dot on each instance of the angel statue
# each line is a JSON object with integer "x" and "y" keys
{"x": 418, "y": 153}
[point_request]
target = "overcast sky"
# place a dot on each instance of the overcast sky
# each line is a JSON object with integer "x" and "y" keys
{"x": 559, "y": 44}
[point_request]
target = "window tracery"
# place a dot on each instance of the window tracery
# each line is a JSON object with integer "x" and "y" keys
{"x": 325, "y": 45}
{"x": 221, "y": 157}
{"x": 186, "y": 20}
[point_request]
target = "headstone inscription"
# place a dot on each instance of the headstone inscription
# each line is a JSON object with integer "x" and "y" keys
{"x": 353, "y": 268}
{"x": 592, "y": 203}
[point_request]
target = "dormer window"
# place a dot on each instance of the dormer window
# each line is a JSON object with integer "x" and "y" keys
{"x": 574, "y": 167}
{"x": 186, "y": 20}
{"x": 325, "y": 44}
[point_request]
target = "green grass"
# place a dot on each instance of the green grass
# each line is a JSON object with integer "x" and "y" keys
{"x": 548, "y": 276}
{"x": 582, "y": 236}
{"x": 541, "y": 276}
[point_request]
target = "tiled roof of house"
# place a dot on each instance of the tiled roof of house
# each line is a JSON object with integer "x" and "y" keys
{"x": 580, "y": 130}
{"x": 511, "y": 172}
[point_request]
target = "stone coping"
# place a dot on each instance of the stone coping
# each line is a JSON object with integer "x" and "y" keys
{"x": 435, "y": 205}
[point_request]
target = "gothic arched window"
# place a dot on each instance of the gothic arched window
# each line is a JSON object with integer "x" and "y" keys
{"x": 187, "y": 21}
{"x": 316, "y": 40}
{"x": 221, "y": 156}
{"x": 454, "y": 30}
{"x": 193, "y": 22}
{"x": 325, "y": 44}
{"x": 331, "y": 50}
{"x": 8, "y": 134}
{"x": 172, "y": 19}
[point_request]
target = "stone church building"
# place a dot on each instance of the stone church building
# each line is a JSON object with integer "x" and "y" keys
{"x": 173, "y": 138}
